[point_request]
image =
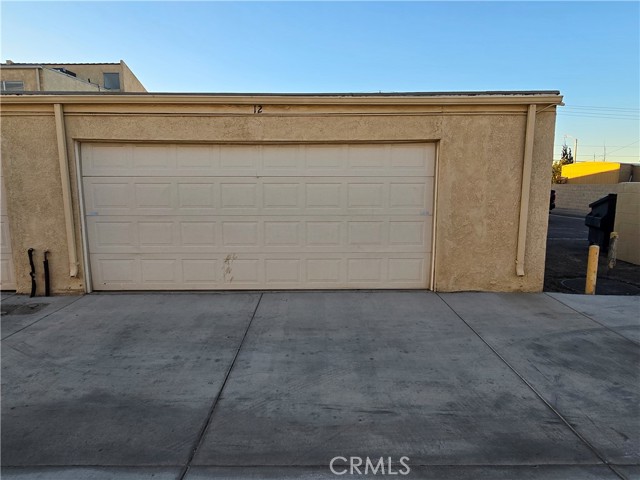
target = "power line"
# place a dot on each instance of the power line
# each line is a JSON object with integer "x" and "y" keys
{"x": 603, "y": 115}
{"x": 601, "y": 155}
{"x": 598, "y": 112}
{"x": 595, "y": 147}
{"x": 589, "y": 115}
{"x": 585, "y": 145}
{"x": 613, "y": 113}
{"x": 617, "y": 149}
{"x": 604, "y": 155}
{"x": 602, "y": 108}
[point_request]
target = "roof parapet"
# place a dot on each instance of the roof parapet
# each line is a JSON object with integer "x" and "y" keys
{"x": 397, "y": 98}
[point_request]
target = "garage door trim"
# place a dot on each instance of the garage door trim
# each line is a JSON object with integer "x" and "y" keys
{"x": 431, "y": 257}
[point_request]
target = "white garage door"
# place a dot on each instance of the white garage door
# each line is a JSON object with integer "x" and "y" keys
{"x": 169, "y": 217}
{"x": 7, "y": 276}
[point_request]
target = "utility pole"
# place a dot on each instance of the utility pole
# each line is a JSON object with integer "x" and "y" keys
{"x": 575, "y": 146}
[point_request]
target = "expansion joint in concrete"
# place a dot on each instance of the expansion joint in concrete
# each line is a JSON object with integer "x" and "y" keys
{"x": 207, "y": 422}
{"x": 42, "y": 318}
{"x": 594, "y": 320}
{"x": 593, "y": 449}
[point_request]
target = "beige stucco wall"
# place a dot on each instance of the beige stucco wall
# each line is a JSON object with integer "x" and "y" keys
{"x": 34, "y": 200}
{"x": 27, "y": 75}
{"x": 90, "y": 72}
{"x": 478, "y": 215}
{"x": 46, "y": 79}
{"x": 626, "y": 172}
{"x": 53, "y": 81}
{"x": 628, "y": 222}
{"x": 130, "y": 82}
{"x": 575, "y": 198}
{"x": 94, "y": 73}
{"x": 479, "y": 147}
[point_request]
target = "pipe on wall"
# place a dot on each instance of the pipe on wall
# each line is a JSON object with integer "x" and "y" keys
{"x": 525, "y": 189}
{"x": 66, "y": 189}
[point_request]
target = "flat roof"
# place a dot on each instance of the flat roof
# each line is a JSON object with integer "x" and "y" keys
{"x": 337, "y": 94}
{"x": 516, "y": 97}
{"x": 35, "y": 64}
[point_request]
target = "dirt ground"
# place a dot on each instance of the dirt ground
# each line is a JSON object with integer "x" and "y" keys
{"x": 566, "y": 264}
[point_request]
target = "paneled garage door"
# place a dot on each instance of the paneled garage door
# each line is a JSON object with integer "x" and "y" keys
{"x": 170, "y": 217}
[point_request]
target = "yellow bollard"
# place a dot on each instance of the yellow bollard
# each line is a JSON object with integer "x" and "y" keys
{"x": 592, "y": 270}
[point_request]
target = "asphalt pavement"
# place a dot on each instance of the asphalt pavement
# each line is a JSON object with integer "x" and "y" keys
{"x": 566, "y": 261}
{"x": 288, "y": 385}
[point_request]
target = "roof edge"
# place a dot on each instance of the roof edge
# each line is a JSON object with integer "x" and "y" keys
{"x": 35, "y": 64}
{"x": 394, "y": 98}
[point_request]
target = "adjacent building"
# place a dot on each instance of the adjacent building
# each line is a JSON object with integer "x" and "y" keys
{"x": 600, "y": 173}
{"x": 68, "y": 77}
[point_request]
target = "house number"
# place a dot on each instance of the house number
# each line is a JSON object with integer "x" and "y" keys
{"x": 257, "y": 109}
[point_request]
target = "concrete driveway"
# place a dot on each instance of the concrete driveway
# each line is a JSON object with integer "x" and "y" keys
{"x": 276, "y": 385}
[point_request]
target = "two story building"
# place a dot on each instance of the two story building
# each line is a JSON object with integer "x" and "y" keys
{"x": 68, "y": 77}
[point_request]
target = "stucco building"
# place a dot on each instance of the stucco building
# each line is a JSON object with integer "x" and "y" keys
{"x": 442, "y": 191}
{"x": 600, "y": 173}
{"x": 68, "y": 77}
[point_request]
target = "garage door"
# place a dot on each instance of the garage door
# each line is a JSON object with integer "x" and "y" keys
{"x": 7, "y": 276}
{"x": 170, "y": 217}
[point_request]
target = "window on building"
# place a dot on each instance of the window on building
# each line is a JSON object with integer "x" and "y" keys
{"x": 12, "y": 86}
{"x": 65, "y": 71}
{"x": 112, "y": 81}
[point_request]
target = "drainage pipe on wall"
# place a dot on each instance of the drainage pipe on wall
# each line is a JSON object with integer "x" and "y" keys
{"x": 525, "y": 190}
{"x": 66, "y": 189}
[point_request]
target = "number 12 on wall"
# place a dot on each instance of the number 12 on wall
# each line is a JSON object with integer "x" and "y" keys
{"x": 257, "y": 109}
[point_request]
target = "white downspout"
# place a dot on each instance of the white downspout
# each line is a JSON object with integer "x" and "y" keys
{"x": 435, "y": 219}
{"x": 66, "y": 189}
{"x": 525, "y": 190}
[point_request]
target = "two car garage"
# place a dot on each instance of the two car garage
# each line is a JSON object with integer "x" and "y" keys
{"x": 270, "y": 216}
{"x": 140, "y": 191}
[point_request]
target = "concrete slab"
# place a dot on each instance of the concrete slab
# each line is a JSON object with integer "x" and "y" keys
{"x": 537, "y": 472}
{"x": 95, "y": 473}
{"x": 20, "y": 311}
{"x": 118, "y": 379}
{"x": 587, "y": 372}
{"x": 620, "y": 313}
{"x": 6, "y": 294}
{"x": 631, "y": 472}
{"x": 376, "y": 374}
